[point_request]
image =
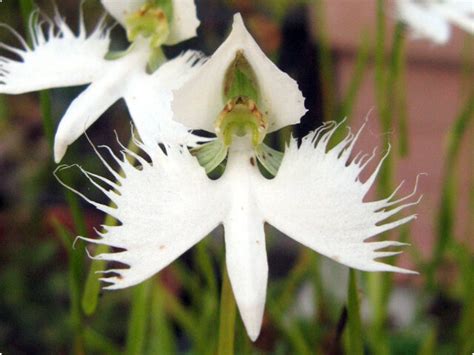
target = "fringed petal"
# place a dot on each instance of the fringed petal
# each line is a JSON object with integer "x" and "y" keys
{"x": 317, "y": 198}
{"x": 164, "y": 206}
{"x": 57, "y": 57}
{"x": 198, "y": 103}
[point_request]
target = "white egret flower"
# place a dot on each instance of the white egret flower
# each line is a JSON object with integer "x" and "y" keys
{"x": 431, "y": 19}
{"x": 168, "y": 204}
{"x": 59, "y": 58}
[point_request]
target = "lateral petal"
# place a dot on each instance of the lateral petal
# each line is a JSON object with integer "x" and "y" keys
{"x": 83, "y": 112}
{"x": 185, "y": 22}
{"x": 98, "y": 97}
{"x": 317, "y": 199}
{"x": 165, "y": 206}
{"x": 148, "y": 98}
{"x": 57, "y": 58}
{"x": 198, "y": 103}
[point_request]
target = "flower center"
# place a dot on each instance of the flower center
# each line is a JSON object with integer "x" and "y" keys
{"x": 241, "y": 115}
{"x": 151, "y": 21}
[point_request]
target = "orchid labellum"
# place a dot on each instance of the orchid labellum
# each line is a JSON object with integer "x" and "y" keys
{"x": 168, "y": 203}
{"x": 141, "y": 75}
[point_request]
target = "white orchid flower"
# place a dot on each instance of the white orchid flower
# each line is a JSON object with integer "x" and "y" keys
{"x": 431, "y": 19}
{"x": 168, "y": 203}
{"x": 59, "y": 58}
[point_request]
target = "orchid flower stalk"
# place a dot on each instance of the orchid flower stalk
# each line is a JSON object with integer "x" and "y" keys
{"x": 59, "y": 58}
{"x": 168, "y": 203}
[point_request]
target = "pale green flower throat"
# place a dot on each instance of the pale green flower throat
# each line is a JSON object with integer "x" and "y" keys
{"x": 151, "y": 21}
{"x": 240, "y": 117}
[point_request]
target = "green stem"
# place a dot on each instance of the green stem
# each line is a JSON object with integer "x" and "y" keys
{"x": 98, "y": 343}
{"x": 289, "y": 331}
{"x": 3, "y": 111}
{"x": 90, "y": 297}
{"x": 356, "y": 345}
{"x": 445, "y": 216}
{"x": 183, "y": 316}
{"x": 380, "y": 58}
{"x": 225, "y": 345}
{"x": 26, "y": 8}
{"x": 75, "y": 281}
{"x": 139, "y": 316}
{"x": 361, "y": 64}
{"x": 378, "y": 283}
{"x": 326, "y": 64}
{"x": 162, "y": 340}
{"x": 294, "y": 279}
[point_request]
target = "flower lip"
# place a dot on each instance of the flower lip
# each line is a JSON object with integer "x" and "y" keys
{"x": 199, "y": 102}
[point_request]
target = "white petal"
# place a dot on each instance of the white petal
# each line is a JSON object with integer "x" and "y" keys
{"x": 57, "y": 58}
{"x": 83, "y": 112}
{"x": 318, "y": 200}
{"x": 148, "y": 98}
{"x": 198, "y": 103}
{"x": 168, "y": 205}
{"x": 98, "y": 97}
{"x": 184, "y": 23}
{"x": 246, "y": 256}
{"x": 120, "y": 9}
{"x": 165, "y": 207}
{"x": 460, "y": 13}
{"x": 423, "y": 22}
